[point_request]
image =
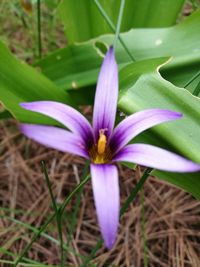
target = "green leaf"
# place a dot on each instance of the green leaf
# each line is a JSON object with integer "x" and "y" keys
{"x": 77, "y": 65}
{"x": 143, "y": 13}
{"x": 151, "y": 14}
{"x": 5, "y": 115}
{"x": 187, "y": 181}
{"x": 72, "y": 67}
{"x": 21, "y": 83}
{"x": 142, "y": 87}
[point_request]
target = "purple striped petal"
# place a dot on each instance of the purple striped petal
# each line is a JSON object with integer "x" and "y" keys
{"x": 105, "y": 104}
{"x": 106, "y": 195}
{"x": 66, "y": 115}
{"x": 156, "y": 157}
{"x": 56, "y": 138}
{"x": 137, "y": 123}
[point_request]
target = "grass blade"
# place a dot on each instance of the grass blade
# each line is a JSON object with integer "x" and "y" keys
{"x": 78, "y": 200}
{"x": 192, "y": 79}
{"x": 143, "y": 230}
{"x": 197, "y": 90}
{"x": 43, "y": 227}
{"x": 119, "y": 21}
{"x": 39, "y": 29}
{"x": 56, "y": 211}
{"x": 112, "y": 26}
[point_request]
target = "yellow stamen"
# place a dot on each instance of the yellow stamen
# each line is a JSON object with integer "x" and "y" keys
{"x": 101, "y": 146}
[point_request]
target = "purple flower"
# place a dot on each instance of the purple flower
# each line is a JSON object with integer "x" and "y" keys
{"x": 103, "y": 144}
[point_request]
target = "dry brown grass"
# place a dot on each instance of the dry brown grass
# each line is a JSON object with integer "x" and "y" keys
{"x": 172, "y": 216}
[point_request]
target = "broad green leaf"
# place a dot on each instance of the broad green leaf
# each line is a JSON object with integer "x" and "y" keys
{"x": 72, "y": 67}
{"x": 151, "y": 14}
{"x": 142, "y": 87}
{"x": 78, "y": 65}
{"x": 143, "y": 13}
{"x": 189, "y": 182}
{"x": 21, "y": 83}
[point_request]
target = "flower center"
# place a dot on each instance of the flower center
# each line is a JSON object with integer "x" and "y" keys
{"x": 100, "y": 153}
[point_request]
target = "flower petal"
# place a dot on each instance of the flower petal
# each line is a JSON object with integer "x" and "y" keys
{"x": 66, "y": 115}
{"x": 56, "y": 138}
{"x": 106, "y": 194}
{"x": 105, "y": 104}
{"x": 137, "y": 123}
{"x": 156, "y": 157}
